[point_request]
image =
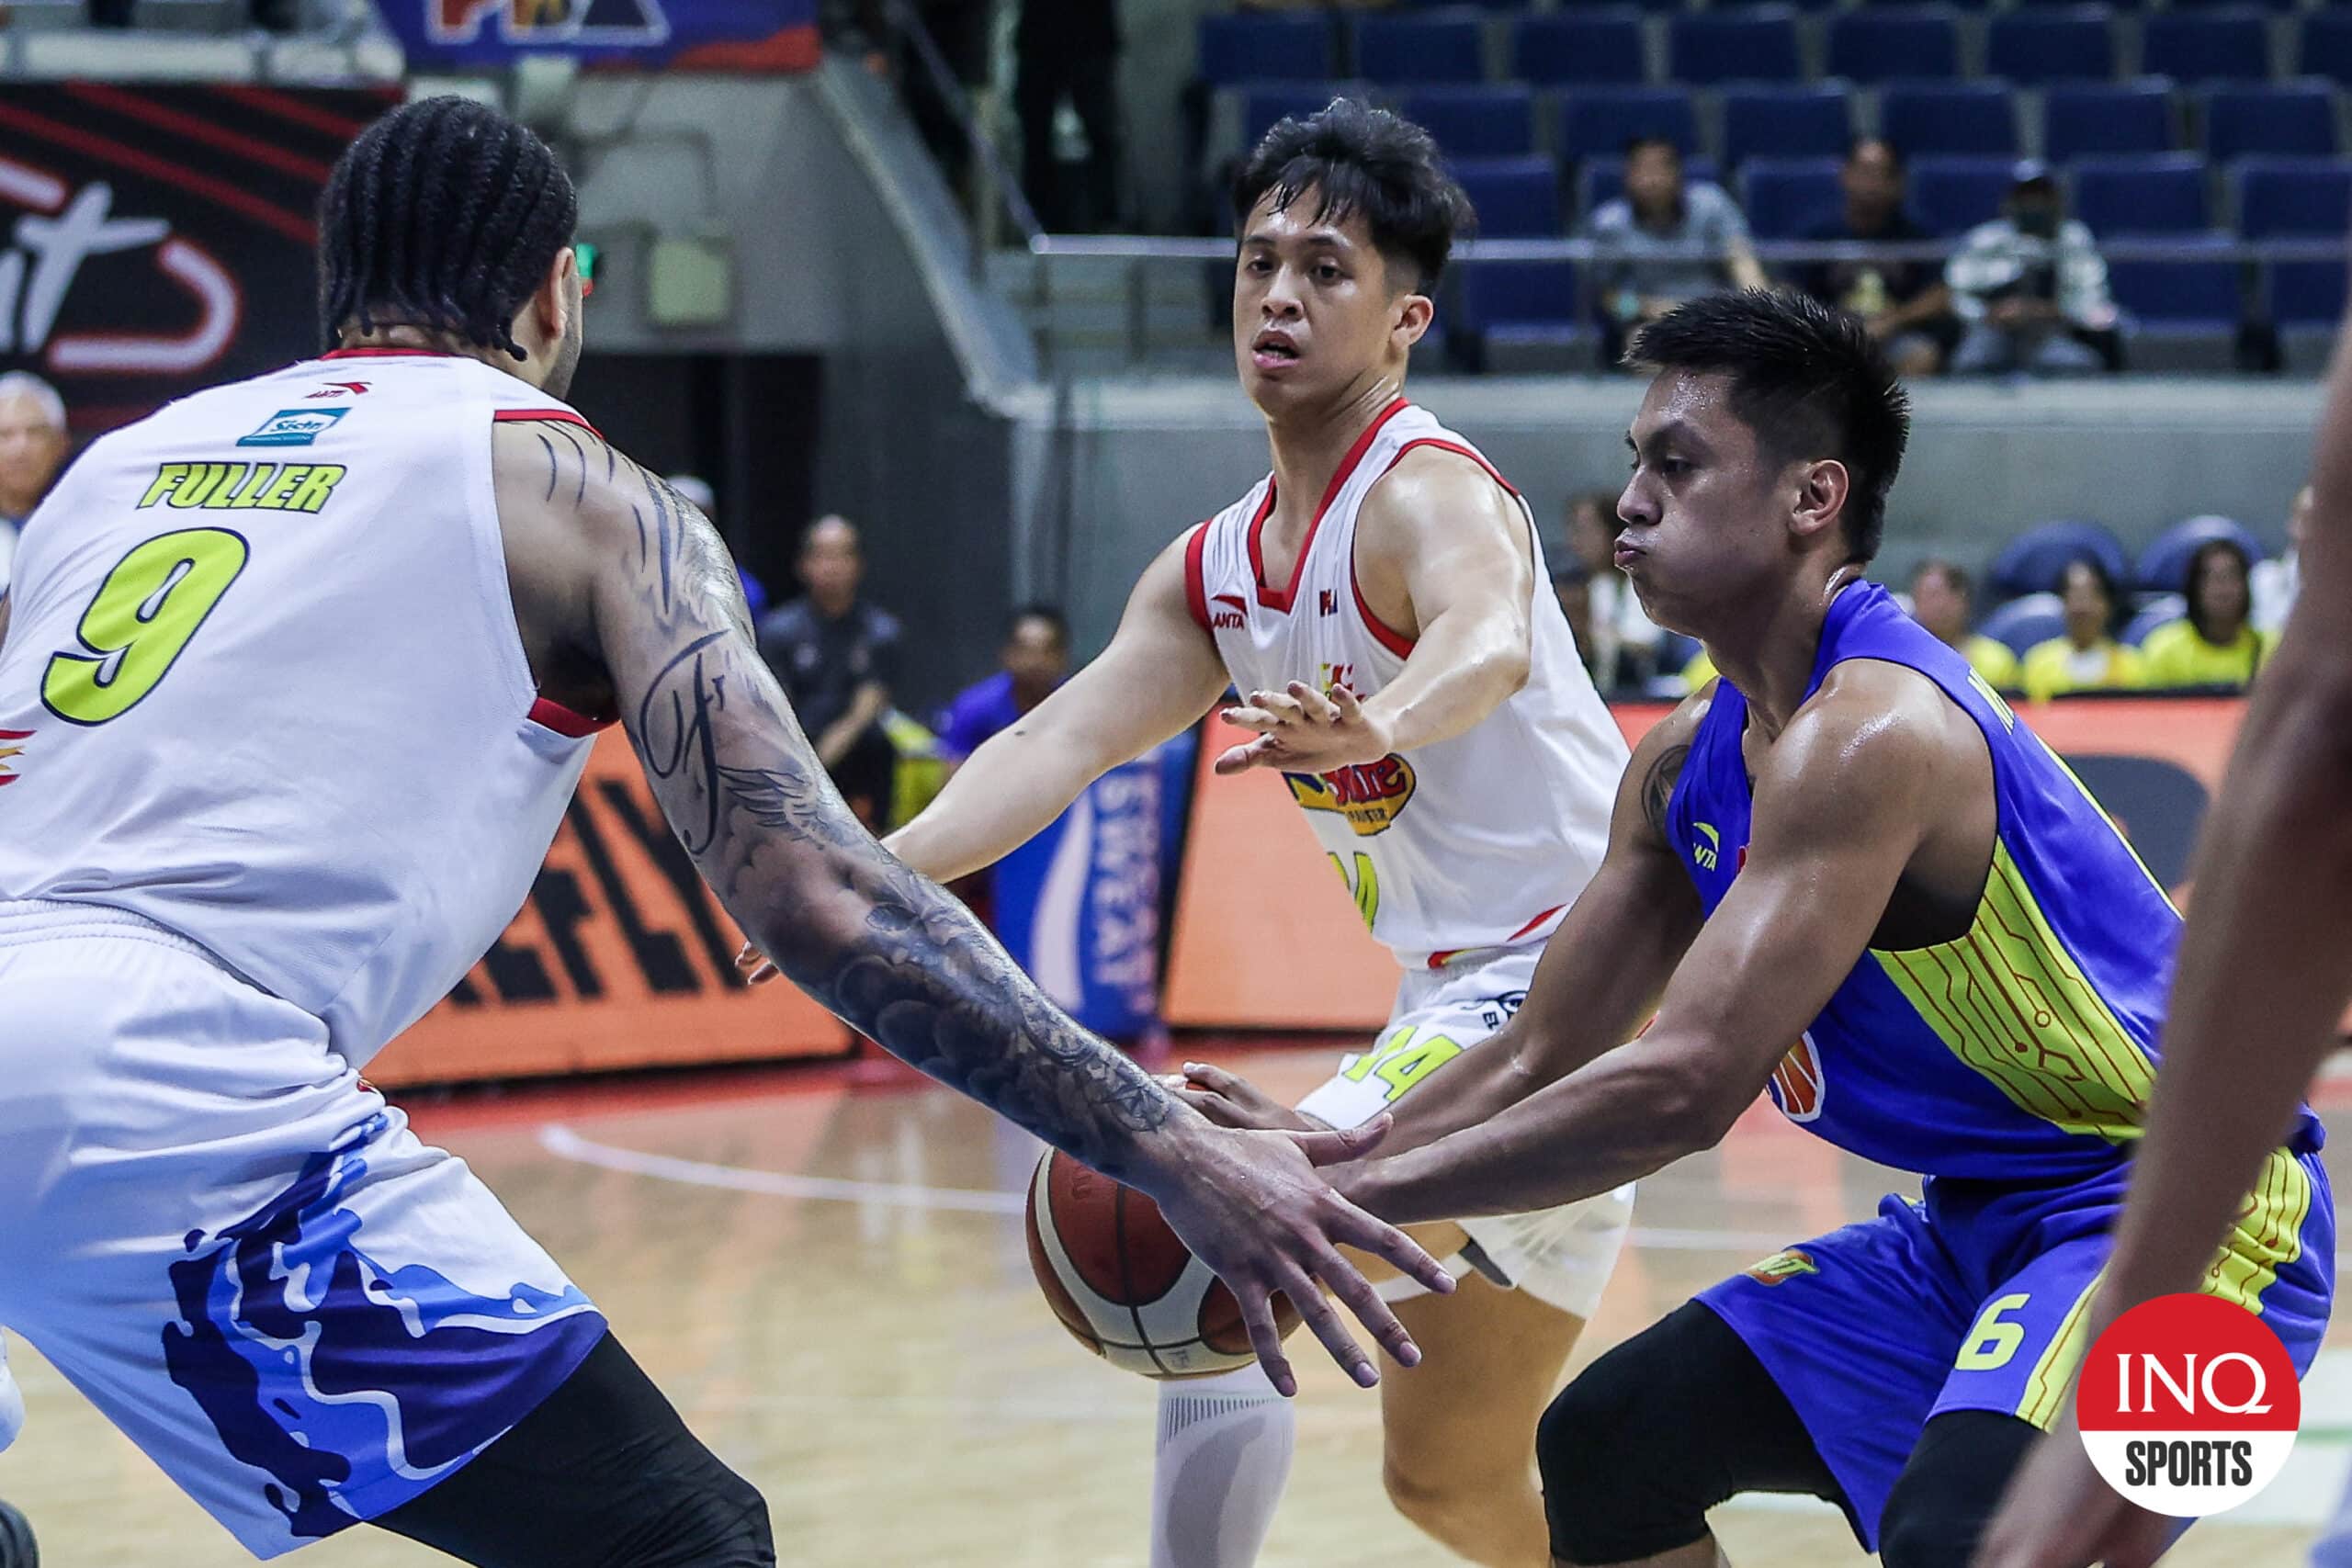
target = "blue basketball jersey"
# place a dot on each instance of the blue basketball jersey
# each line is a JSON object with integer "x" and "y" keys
{"x": 2024, "y": 1050}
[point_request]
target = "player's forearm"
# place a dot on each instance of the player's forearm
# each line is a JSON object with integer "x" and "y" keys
{"x": 1463, "y": 666}
{"x": 2260, "y": 983}
{"x": 1006, "y": 794}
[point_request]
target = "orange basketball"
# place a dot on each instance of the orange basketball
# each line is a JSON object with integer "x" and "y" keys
{"x": 1122, "y": 1283}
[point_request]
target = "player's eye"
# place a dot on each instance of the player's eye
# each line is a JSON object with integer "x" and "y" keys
{"x": 1327, "y": 273}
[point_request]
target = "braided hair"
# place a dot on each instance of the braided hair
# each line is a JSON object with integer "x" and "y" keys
{"x": 444, "y": 214}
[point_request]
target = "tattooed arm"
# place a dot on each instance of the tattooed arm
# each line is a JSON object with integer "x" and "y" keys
{"x": 1601, "y": 975}
{"x": 630, "y": 606}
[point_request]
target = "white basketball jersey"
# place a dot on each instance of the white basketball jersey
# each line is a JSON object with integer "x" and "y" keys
{"x": 262, "y": 685}
{"x": 1478, "y": 841}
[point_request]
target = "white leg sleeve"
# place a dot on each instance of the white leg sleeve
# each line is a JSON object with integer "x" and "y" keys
{"x": 1223, "y": 1457}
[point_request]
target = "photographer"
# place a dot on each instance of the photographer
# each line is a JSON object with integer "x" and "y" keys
{"x": 2032, "y": 287}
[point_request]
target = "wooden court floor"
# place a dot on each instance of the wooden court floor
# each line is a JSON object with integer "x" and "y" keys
{"x": 829, "y": 1281}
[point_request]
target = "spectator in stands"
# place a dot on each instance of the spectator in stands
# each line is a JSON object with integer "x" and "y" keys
{"x": 1906, "y": 304}
{"x": 837, "y": 656}
{"x": 1665, "y": 241}
{"x": 2087, "y": 658}
{"x": 1622, "y": 649}
{"x": 32, "y": 448}
{"x": 1571, "y": 586}
{"x": 2030, "y": 285}
{"x": 1942, "y": 601}
{"x": 2276, "y": 581}
{"x": 2215, "y": 643}
{"x": 1068, "y": 49}
{"x": 1034, "y": 660}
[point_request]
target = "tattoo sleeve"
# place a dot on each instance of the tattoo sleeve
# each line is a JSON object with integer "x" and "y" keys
{"x": 882, "y": 948}
{"x": 1658, "y": 786}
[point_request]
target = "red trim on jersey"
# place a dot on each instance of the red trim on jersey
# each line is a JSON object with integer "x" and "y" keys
{"x": 552, "y": 416}
{"x": 1459, "y": 450}
{"x": 1196, "y": 593}
{"x": 1267, "y": 596}
{"x": 549, "y": 714}
{"x": 1388, "y": 636}
{"x": 1440, "y": 960}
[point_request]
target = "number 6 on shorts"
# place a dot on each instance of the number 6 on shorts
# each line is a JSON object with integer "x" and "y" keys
{"x": 146, "y": 610}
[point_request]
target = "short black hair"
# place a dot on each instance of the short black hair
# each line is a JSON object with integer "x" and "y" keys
{"x": 1955, "y": 576}
{"x": 444, "y": 214}
{"x": 1669, "y": 142}
{"x": 1894, "y": 154}
{"x": 1049, "y": 613}
{"x": 2199, "y": 616}
{"x": 1361, "y": 159}
{"x": 1807, "y": 377}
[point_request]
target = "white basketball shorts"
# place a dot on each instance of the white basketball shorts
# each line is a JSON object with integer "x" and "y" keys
{"x": 237, "y": 1250}
{"x": 1561, "y": 1256}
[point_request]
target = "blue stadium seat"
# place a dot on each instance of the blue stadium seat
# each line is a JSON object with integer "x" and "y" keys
{"x": 1786, "y": 122}
{"x": 1421, "y": 47}
{"x": 2293, "y": 195}
{"x": 2152, "y": 193}
{"x": 2201, "y": 295}
{"x": 2073, "y": 44}
{"x": 1888, "y": 43}
{"x": 1784, "y": 197}
{"x": 1261, "y": 105}
{"x": 1266, "y": 46}
{"x": 2108, "y": 117}
{"x": 2039, "y": 5}
{"x": 2227, "y": 44}
{"x": 1577, "y": 46}
{"x": 2291, "y": 117}
{"x": 2306, "y": 293}
{"x": 1496, "y": 121}
{"x": 1516, "y": 199}
{"x": 2022, "y": 623}
{"x": 1743, "y": 43}
{"x": 2325, "y": 47}
{"x": 1949, "y": 117}
{"x": 1603, "y": 120}
{"x": 2161, "y": 611}
{"x": 2035, "y": 561}
{"x": 1521, "y": 300}
{"x": 2163, "y": 565}
{"x": 1603, "y": 179}
{"x": 1952, "y": 196}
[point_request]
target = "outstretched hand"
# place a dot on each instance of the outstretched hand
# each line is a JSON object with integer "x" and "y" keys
{"x": 1231, "y": 1100}
{"x": 1303, "y": 730}
{"x": 2060, "y": 1513}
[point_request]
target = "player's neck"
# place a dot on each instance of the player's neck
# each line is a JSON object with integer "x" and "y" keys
{"x": 1310, "y": 445}
{"x": 399, "y": 335}
{"x": 1770, "y": 652}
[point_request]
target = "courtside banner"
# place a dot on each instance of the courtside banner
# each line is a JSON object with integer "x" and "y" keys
{"x": 690, "y": 35}
{"x": 1266, "y": 938}
{"x": 157, "y": 239}
{"x": 621, "y": 958}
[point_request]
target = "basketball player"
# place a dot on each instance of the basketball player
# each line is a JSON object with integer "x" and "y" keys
{"x": 2267, "y": 941}
{"x": 301, "y": 673}
{"x": 1382, "y": 599}
{"x": 1866, "y": 887}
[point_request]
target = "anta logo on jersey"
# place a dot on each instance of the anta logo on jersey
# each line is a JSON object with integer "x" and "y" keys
{"x": 1783, "y": 1266}
{"x": 1369, "y": 794}
{"x": 9, "y": 748}
{"x": 1706, "y": 853}
{"x": 1231, "y": 619}
{"x": 242, "y": 487}
{"x": 1798, "y": 1086}
{"x": 339, "y": 389}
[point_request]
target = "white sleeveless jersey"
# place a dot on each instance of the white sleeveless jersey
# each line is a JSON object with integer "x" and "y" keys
{"x": 1478, "y": 841}
{"x": 262, "y": 684}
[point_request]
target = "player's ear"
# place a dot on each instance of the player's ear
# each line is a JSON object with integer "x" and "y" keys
{"x": 1822, "y": 489}
{"x": 553, "y": 304}
{"x": 1415, "y": 312}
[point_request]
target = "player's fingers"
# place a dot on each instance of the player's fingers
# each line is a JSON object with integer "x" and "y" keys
{"x": 1367, "y": 1233}
{"x": 1325, "y": 1325}
{"x": 1314, "y": 704}
{"x": 1344, "y": 1144}
{"x": 1343, "y": 1280}
{"x": 1283, "y": 707}
{"x": 1240, "y": 759}
{"x": 1345, "y": 700}
{"x": 1258, "y": 1317}
{"x": 1251, "y": 716}
{"x": 1215, "y": 1107}
{"x": 1210, "y": 1076}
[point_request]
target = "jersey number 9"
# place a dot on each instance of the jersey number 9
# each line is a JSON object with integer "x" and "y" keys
{"x": 145, "y": 612}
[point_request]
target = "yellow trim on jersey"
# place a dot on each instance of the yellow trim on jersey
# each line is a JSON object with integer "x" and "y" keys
{"x": 2008, "y": 1000}
{"x": 2045, "y": 1390}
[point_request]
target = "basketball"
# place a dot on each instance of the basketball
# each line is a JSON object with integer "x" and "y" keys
{"x": 1123, "y": 1285}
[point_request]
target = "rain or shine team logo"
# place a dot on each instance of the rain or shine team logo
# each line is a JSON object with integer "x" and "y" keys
{"x": 9, "y": 748}
{"x": 1369, "y": 794}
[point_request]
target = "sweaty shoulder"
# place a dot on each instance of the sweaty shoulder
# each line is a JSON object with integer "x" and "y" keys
{"x": 1443, "y": 490}
{"x": 1878, "y": 725}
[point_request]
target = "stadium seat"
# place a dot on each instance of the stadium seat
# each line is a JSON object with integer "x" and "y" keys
{"x": 1603, "y": 179}
{"x": 2163, "y": 565}
{"x": 1263, "y": 106}
{"x": 1421, "y": 47}
{"x": 2306, "y": 293}
{"x": 2199, "y": 295}
{"x": 1889, "y": 43}
{"x": 1923, "y": 119}
{"x": 1952, "y": 196}
{"x": 2293, "y": 195}
{"x": 2160, "y": 611}
{"x": 2324, "y": 47}
{"x": 1516, "y": 199}
{"x": 2287, "y": 117}
{"x": 1742, "y": 43}
{"x": 1266, "y": 46}
{"x": 2229, "y": 44}
{"x": 1784, "y": 197}
{"x": 2151, "y": 193}
{"x": 2108, "y": 117}
{"x": 2075, "y": 43}
{"x": 1520, "y": 309}
{"x": 1577, "y": 46}
{"x": 2022, "y": 623}
{"x": 2035, "y": 561}
{"x": 1495, "y": 121}
{"x": 1786, "y": 122}
{"x": 1603, "y": 120}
